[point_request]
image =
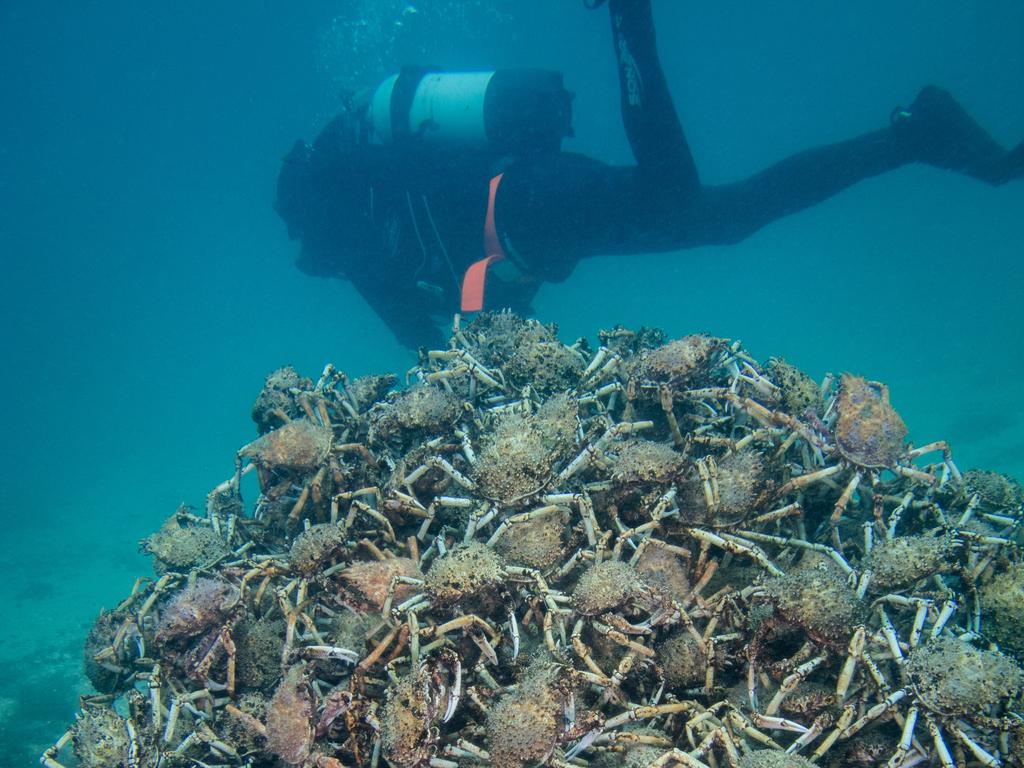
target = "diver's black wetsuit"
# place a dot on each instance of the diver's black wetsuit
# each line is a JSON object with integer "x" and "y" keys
{"x": 404, "y": 226}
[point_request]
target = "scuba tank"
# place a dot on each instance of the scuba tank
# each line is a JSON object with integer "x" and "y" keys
{"x": 506, "y": 112}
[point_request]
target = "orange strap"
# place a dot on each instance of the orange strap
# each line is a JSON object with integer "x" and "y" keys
{"x": 476, "y": 276}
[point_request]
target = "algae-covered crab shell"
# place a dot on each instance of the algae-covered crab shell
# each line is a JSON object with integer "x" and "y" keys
{"x": 99, "y": 737}
{"x": 407, "y": 722}
{"x": 819, "y": 599}
{"x": 538, "y": 542}
{"x": 197, "y": 608}
{"x": 608, "y": 586}
{"x": 773, "y": 758}
{"x": 685, "y": 362}
{"x": 317, "y": 545}
{"x": 365, "y": 584}
{"x": 638, "y": 463}
{"x": 276, "y": 401}
{"x": 996, "y": 491}
{"x": 1002, "y": 605}
{"x": 743, "y": 482}
{"x": 904, "y": 560}
{"x": 290, "y": 718}
{"x": 298, "y": 445}
{"x": 682, "y": 659}
{"x": 868, "y": 431}
{"x": 471, "y": 577}
{"x": 637, "y": 471}
{"x": 527, "y": 723}
{"x": 518, "y": 457}
{"x": 178, "y": 547}
{"x": 541, "y": 361}
{"x": 422, "y": 409}
{"x": 110, "y": 676}
{"x": 797, "y": 391}
{"x": 953, "y": 677}
{"x": 523, "y": 728}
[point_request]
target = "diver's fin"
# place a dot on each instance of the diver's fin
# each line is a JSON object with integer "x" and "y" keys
{"x": 1013, "y": 165}
{"x": 940, "y": 132}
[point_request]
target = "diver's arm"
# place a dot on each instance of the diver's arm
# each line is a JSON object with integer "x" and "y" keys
{"x": 401, "y": 309}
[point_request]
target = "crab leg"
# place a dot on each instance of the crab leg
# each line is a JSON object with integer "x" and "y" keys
{"x": 940, "y": 744}
{"x": 849, "y": 712}
{"x": 977, "y": 750}
{"x": 812, "y": 733}
{"x": 919, "y": 618}
{"x": 523, "y": 517}
{"x": 906, "y": 739}
{"x": 740, "y": 725}
{"x": 876, "y": 711}
{"x": 586, "y": 510}
{"x": 583, "y": 651}
{"x": 588, "y": 454}
{"x": 790, "y": 510}
{"x": 846, "y": 674}
{"x": 789, "y": 684}
{"x": 645, "y": 713}
{"x": 485, "y": 647}
{"x": 737, "y": 547}
{"x": 844, "y": 499}
{"x": 172, "y": 720}
{"x": 777, "y": 723}
{"x": 889, "y": 633}
{"x": 377, "y": 652}
{"x": 549, "y": 637}
{"x": 897, "y": 513}
{"x": 802, "y": 481}
{"x": 945, "y": 614}
{"x": 708, "y": 472}
{"x": 49, "y": 758}
{"x": 678, "y": 757}
{"x": 604, "y": 361}
{"x": 229, "y": 648}
{"x": 463, "y": 748}
{"x": 464, "y": 622}
{"x": 396, "y": 580}
{"x": 132, "y": 756}
{"x": 947, "y": 456}
{"x": 329, "y": 652}
{"x": 513, "y": 626}
{"x": 781, "y": 541}
{"x": 455, "y": 693}
{"x": 665, "y": 396}
{"x": 584, "y": 743}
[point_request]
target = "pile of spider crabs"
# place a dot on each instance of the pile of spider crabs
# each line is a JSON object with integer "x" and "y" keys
{"x": 634, "y": 553}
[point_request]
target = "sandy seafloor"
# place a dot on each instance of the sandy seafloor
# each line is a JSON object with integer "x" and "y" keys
{"x": 148, "y": 287}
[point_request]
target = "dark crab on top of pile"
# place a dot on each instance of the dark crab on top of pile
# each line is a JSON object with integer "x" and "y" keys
{"x": 531, "y": 554}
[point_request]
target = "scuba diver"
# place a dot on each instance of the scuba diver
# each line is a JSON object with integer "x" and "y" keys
{"x": 440, "y": 191}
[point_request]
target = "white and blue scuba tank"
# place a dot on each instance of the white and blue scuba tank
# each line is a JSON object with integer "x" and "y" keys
{"x": 506, "y": 112}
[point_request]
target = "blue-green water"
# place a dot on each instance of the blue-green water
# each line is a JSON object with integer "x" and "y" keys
{"x": 148, "y": 287}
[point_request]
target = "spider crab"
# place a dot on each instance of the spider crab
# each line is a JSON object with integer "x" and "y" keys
{"x": 867, "y": 438}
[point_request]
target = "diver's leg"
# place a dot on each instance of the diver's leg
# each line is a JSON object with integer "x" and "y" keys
{"x": 934, "y": 130}
{"x": 730, "y": 213}
{"x": 652, "y": 125}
